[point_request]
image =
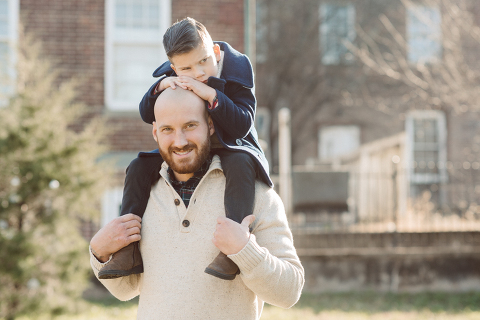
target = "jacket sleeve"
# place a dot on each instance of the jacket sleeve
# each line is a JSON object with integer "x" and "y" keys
{"x": 235, "y": 113}
{"x": 124, "y": 288}
{"x": 147, "y": 104}
{"x": 269, "y": 264}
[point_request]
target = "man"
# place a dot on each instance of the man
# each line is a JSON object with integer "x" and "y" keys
{"x": 181, "y": 234}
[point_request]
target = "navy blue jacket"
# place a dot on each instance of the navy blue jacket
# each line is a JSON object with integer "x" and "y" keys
{"x": 234, "y": 115}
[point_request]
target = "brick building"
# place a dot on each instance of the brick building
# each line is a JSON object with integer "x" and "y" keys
{"x": 113, "y": 47}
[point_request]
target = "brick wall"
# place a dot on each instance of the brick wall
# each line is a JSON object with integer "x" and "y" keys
{"x": 222, "y": 18}
{"x": 72, "y": 33}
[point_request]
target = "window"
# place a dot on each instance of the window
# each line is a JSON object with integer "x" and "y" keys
{"x": 111, "y": 205}
{"x": 337, "y": 26}
{"x": 336, "y": 141}
{"x": 8, "y": 39}
{"x": 426, "y": 146}
{"x": 424, "y": 34}
{"x": 133, "y": 49}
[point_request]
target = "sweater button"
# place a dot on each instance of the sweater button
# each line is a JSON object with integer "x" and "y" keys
{"x": 239, "y": 142}
{"x": 177, "y": 202}
{"x": 185, "y": 223}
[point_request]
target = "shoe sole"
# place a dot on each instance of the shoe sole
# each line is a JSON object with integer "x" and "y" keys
{"x": 221, "y": 275}
{"x": 113, "y": 274}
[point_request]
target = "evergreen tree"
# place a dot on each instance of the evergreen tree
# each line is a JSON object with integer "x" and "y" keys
{"x": 49, "y": 179}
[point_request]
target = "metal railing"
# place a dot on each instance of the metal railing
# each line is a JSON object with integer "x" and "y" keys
{"x": 396, "y": 200}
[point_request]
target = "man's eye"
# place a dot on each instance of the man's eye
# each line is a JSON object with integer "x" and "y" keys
{"x": 191, "y": 125}
{"x": 203, "y": 60}
{"x": 166, "y": 130}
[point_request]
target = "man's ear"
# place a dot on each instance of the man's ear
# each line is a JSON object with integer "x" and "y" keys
{"x": 173, "y": 67}
{"x": 216, "y": 51}
{"x": 154, "y": 131}
{"x": 211, "y": 127}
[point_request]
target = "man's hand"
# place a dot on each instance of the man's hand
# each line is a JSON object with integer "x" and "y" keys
{"x": 199, "y": 88}
{"x": 230, "y": 237}
{"x": 117, "y": 234}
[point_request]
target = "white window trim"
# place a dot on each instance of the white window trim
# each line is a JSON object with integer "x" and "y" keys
{"x": 426, "y": 178}
{"x": 110, "y": 102}
{"x": 12, "y": 40}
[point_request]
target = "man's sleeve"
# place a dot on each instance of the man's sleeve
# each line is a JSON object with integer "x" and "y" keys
{"x": 124, "y": 288}
{"x": 269, "y": 265}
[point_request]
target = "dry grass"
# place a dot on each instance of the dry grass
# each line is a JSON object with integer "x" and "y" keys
{"x": 338, "y": 306}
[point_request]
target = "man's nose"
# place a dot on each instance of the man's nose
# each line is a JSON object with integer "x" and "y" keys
{"x": 180, "y": 140}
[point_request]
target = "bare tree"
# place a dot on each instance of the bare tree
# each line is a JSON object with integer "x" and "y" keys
{"x": 289, "y": 72}
{"x": 451, "y": 82}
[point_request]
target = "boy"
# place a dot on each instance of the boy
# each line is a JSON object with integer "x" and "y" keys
{"x": 223, "y": 77}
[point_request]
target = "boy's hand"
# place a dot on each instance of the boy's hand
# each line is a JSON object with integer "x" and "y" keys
{"x": 199, "y": 88}
{"x": 115, "y": 235}
{"x": 171, "y": 82}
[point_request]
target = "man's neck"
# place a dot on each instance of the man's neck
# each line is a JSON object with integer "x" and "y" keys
{"x": 182, "y": 176}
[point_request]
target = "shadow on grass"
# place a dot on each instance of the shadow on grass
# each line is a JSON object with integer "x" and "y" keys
{"x": 374, "y": 302}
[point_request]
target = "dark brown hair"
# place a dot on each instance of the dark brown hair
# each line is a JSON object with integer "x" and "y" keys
{"x": 184, "y": 36}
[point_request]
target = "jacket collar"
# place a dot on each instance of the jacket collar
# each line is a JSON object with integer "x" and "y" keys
{"x": 236, "y": 67}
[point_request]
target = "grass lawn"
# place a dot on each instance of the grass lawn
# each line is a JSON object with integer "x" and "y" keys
{"x": 338, "y": 306}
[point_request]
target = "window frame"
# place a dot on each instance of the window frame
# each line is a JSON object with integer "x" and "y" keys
{"x": 426, "y": 178}
{"x": 322, "y": 155}
{"x": 111, "y": 103}
{"x": 111, "y": 204}
{"x": 11, "y": 40}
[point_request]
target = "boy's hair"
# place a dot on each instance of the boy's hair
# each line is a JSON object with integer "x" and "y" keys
{"x": 184, "y": 36}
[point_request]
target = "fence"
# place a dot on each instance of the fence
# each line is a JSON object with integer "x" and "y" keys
{"x": 386, "y": 195}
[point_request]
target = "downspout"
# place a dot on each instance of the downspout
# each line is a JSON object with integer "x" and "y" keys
{"x": 250, "y": 30}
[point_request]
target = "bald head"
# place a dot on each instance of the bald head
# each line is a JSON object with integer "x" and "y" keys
{"x": 177, "y": 99}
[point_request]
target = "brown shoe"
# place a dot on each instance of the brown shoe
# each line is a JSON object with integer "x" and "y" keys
{"x": 223, "y": 267}
{"x": 125, "y": 262}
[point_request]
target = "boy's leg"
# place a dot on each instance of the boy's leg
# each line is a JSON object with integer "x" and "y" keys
{"x": 240, "y": 173}
{"x": 142, "y": 173}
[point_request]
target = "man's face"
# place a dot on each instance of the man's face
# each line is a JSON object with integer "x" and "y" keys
{"x": 182, "y": 132}
{"x": 199, "y": 64}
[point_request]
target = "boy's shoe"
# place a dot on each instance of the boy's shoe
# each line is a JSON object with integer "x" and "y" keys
{"x": 125, "y": 262}
{"x": 223, "y": 267}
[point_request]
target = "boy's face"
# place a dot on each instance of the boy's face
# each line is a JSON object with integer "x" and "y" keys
{"x": 199, "y": 64}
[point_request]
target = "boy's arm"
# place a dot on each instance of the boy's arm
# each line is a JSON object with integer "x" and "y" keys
{"x": 234, "y": 113}
{"x": 148, "y": 103}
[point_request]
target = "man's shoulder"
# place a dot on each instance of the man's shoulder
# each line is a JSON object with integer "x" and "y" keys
{"x": 265, "y": 193}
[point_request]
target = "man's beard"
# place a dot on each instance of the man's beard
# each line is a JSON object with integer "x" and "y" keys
{"x": 182, "y": 167}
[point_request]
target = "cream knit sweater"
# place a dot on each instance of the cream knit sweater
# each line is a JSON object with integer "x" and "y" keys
{"x": 174, "y": 285}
